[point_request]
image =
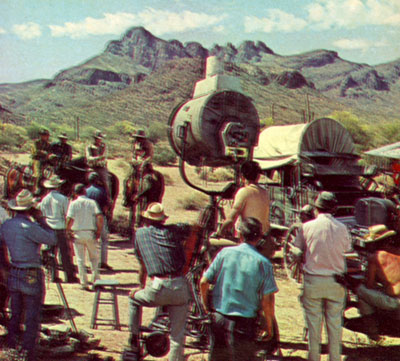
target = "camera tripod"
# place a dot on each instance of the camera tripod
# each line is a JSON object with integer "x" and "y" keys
{"x": 50, "y": 263}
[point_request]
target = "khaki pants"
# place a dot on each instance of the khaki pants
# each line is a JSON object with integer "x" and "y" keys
{"x": 85, "y": 240}
{"x": 323, "y": 298}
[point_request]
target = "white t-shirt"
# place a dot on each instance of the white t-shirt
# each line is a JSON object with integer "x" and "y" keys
{"x": 83, "y": 211}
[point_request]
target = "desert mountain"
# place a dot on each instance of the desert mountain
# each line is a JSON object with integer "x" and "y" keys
{"x": 141, "y": 78}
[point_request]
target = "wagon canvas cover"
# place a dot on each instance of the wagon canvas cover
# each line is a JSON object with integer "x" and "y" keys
{"x": 290, "y": 144}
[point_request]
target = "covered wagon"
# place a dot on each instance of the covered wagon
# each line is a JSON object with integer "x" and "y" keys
{"x": 302, "y": 159}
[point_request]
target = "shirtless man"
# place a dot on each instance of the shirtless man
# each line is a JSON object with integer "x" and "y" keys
{"x": 382, "y": 288}
{"x": 250, "y": 200}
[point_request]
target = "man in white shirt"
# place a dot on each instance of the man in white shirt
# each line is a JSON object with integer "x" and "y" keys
{"x": 84, "y": 225}
{"x": 324, "y": 241}
{"x": 54, "y": 208}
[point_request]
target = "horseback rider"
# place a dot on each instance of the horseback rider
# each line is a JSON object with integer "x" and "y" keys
{"x": 62, "y": 150}
{"x": 96, "y": 155}
{"x": 41, "y": 150}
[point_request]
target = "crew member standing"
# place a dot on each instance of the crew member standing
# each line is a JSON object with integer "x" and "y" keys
{"x": 324, "y": 241}
{"x": 23, "y": 236}
{"x": 54, "y": 207}
{"x": 244, "y": 285}
{"x": 84, "y": 225}
{"x": 98, "y": 193}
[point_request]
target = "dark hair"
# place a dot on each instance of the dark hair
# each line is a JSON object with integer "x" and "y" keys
{"x": 250, "y": 170}
{"x": 251, "y": 229}
{"x": 79, "y": 189}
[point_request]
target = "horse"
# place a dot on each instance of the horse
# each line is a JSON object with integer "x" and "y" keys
{"x": 21, "y": 176}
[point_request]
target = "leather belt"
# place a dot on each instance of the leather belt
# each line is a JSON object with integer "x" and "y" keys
{"x": 168, "y": 276}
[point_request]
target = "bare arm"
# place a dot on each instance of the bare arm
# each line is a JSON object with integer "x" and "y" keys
{"x": 204, "y": 290}
{"x": 99, "y": 224}
{"x": 372, "y": 271}
{"x": 268, "y": 308}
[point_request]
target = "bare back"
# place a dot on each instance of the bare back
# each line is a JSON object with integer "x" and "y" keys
{"x": 388, "y": 271}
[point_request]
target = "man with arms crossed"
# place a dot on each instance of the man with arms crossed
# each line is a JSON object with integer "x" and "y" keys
{"x": 244, "y": 284}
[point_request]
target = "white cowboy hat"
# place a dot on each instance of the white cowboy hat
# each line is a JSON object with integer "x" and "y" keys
{"x": 23, "y": 201}
{"x": 54, "y": 182}
{"x": 155, "y": 212}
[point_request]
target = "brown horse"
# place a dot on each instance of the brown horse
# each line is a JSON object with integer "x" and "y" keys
{"x": 18, "y": 177}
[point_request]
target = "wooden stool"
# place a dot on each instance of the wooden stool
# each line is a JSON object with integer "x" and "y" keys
{"x": 105, "y": 286}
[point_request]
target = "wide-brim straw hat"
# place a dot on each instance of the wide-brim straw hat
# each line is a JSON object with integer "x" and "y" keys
{"x": 63, "y": 136}
{"x": 155, "y": 212}
{"x": 23, "y": 201}
{"x": 54, "y": 182}
{"x": 99, "y": 134}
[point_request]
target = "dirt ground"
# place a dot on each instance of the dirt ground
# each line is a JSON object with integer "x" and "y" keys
{"x": 356, "y": 346}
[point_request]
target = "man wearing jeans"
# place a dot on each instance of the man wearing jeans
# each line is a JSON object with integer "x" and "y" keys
{"x": 244, "y": 285}
{"x": 160, "y": 251}
{"x": 23, "y": 236}
{"x": 84, "y": 225}
{"x": 324, "y": 241}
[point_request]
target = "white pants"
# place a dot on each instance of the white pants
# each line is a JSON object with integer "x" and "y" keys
{"x": 85, "y": 240}
{"x": 322, "y": 298}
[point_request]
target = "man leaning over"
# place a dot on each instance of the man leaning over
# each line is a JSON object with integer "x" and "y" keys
{"x": 244, "y": 284}
{"x": 159, "y": 249}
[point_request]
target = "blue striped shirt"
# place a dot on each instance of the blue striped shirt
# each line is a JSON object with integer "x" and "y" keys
{"x": 161, "y": 248}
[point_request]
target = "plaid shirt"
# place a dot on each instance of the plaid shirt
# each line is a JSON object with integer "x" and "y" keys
{"x": 160, "y": 247}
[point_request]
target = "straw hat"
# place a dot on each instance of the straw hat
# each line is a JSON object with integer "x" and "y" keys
{"x": 63, "y": 136}
{"x": 54, "y": 182}
{"x": 140, "y": 133}
{"x": 155, "y": 212}
{"x": 98, "y": 134}
{"x": 23, "y": 201}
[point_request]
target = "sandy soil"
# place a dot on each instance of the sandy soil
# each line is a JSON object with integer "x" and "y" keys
{"x": 288, "y": 310}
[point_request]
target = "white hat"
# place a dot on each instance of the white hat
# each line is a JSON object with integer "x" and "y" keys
{"x": 23, "y": 201}
{"x": 54, "y": 182}
{"x": 155, "y": 212}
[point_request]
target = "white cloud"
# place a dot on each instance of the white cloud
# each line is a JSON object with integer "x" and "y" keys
{"x": 219, "y": 29}
{"x": 276, "y": 20}
{"x": 27, "y": 31}
{"x": 326, "y": 14}
{"x": 2, "y": 31}
{"x": 357, "y": 44}
{"x": 157, "y": 21}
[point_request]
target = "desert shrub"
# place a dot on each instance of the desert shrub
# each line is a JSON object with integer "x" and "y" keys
{"x": 122, "y": 128}
{"x": 120, "y": 225}
{"x": 267, "y": 122}
{"x": 86, "y": 133}
{"x": 193, "y": 202}
{"x": 12, "y": 136}
{"x": 164, "y": 155}
{"x": 56, "y": 129}
{"x": 33, "y": 129}
{"x": 356, "y": 128}
{"x": 216, "y": 175}
{"x": 157, "y": 132}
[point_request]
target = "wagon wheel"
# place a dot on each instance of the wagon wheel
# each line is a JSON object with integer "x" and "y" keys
{"x": 292, "y": 264}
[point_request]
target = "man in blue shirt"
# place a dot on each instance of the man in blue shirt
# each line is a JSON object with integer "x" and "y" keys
{"x": 23, "y": 236}
{"x": 160, "y": 251}
{"x": 98, "y": 193}
{"x": 244, "y": 284}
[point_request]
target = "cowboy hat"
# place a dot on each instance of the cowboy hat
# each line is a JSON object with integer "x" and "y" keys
{"x": 98, "y": 134}
{"x": 155, "y": 212}
{"x": 63, "y": 136}
{"x": 140, "y": 133}
{"x": 23, "y": 201}
{"x": 326, "y": 201}
{"x": 54, "y": 182}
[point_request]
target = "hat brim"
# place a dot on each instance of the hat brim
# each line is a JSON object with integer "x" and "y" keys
{"x": 12, "y": 205}
{"x": 48, "y": 184}
{"x": 147, "y": 215}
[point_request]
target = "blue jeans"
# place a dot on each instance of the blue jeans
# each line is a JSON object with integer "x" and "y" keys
{"x": 233, "y": 338}
{"x": 26, "y": 287}
{"x": 174, "y": 295}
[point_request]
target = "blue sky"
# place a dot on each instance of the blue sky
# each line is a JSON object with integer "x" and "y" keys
{"x": 39, "y": 38}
